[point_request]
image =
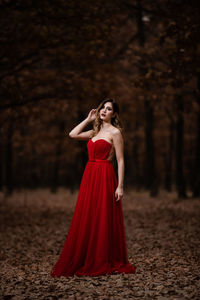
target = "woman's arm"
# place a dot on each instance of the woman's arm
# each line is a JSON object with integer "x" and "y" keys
{"x": 119, "y": 150}
{"x": 76, "y": 132}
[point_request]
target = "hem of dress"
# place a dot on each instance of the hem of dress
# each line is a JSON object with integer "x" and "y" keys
{"x": 127, "y": 269}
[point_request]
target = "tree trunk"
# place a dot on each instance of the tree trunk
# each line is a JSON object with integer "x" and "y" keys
{"x": 9, "y": 161}
{"x": 151, "y": 181}
{"x": 33, "y": 176}
{"x": 56, "y": 167}
{"x": 169, "y": 159}
{"x": 1, "y": 165}
{"x": 150, "y": 178}
{"x": 140, "y": 24}
{"x": 83, "y": 157}
{"x": 196, "y": 180}
{"x": 180, "y": 181}
{"x": 196, "y": 169}
{"x": 137, "y": 181}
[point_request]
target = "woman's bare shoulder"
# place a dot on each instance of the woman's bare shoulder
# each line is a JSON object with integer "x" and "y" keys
{"x": 115, "y": 131}
{"x": 115, "y": 134}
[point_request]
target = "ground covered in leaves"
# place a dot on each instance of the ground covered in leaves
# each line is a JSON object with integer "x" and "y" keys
{"x": 163, "y": 240}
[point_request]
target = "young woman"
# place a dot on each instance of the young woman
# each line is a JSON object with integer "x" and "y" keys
{"x": 96, "y": 244}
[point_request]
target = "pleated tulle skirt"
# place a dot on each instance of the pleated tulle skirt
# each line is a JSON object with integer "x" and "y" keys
{"x": 95, "y": 243}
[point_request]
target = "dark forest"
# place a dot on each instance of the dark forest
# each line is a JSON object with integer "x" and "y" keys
{"x": 58, "y": 60}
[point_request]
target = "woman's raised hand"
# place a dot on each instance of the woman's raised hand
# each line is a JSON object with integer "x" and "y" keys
{"x": 92, "y": 115}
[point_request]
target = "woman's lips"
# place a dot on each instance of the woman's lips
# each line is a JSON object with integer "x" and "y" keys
{"x": 103, "y": 115}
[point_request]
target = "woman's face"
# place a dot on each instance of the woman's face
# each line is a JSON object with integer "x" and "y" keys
{"x": 106, "y": 112}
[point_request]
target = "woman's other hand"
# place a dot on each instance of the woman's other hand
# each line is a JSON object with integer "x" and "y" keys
{"x": 119, "y": 193}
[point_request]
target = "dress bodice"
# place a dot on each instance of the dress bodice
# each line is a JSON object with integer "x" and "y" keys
{"x": 99, "y": 149}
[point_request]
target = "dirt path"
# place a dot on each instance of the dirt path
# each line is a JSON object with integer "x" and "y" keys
{"x": 163, "y": 240}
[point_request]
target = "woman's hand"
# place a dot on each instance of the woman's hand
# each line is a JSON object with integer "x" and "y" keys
{"x": 119, "y": 193}
{"x": 92, "y": 115}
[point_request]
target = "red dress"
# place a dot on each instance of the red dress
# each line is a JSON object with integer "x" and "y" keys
{"x": 95, "y": 244}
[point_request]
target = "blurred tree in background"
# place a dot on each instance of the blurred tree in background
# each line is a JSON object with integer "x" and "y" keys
{"x": 59, "y": 59}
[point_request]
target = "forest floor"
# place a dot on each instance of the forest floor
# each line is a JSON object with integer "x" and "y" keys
{"x": 163, "y": 242}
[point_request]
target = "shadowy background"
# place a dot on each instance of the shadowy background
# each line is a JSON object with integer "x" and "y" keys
{"x": 59, "y": 59}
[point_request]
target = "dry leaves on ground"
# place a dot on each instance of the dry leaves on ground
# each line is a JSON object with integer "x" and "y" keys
{"x": 162, "y": 239}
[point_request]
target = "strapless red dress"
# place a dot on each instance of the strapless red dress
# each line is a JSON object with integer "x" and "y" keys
{"x": 95, "y": 244}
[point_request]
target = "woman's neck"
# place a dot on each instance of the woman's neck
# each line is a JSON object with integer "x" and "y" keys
{"x": 105, "y": 125}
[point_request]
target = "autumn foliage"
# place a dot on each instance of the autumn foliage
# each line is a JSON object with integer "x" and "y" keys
{"x": 60, "y": 58}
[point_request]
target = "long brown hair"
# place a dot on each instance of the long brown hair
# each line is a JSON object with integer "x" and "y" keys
{"x": 115, "y": 121}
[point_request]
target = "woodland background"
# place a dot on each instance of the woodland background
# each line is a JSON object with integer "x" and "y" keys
{"x": 59, "y": 59}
